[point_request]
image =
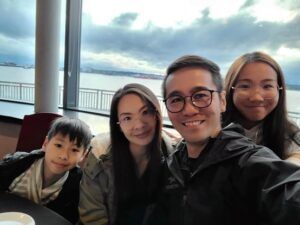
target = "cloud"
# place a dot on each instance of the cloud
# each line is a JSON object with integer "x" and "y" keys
{"x": 125, "y": 20}
{"x": 276, "y": 11}
{"x": 19, "y": 50}
{"x": 220, "y": 40}
{"x": 16, "y": 20}
{"x": 118, "y": 62}
{"x": 17, "y": 30}
{"x": 136, "y": 40}
{"x": 247, "y": 4}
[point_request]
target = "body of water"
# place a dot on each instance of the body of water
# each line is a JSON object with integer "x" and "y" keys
{"x": 113, "y": 83}
{"x": 87, "y": 80}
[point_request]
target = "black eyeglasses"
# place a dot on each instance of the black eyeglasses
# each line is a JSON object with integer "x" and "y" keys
{"x": 200, "y": 99}
{"x": 267, "y": 91}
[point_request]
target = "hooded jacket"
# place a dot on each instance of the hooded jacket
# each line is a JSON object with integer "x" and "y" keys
{"x": 96, "y": 205}
{"x": 234, "y": 182}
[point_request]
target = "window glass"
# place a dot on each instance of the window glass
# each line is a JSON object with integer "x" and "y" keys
{"x": 134, "y": 41}
{"x": 17, "y": 40}
{"x": 17, "y": 49}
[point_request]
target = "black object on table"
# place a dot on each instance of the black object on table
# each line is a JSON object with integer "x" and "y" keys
{"x": 40, "y": 214}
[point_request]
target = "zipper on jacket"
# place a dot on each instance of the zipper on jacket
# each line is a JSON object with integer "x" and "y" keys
{"x": 184, "y": 197}
{"x": 183, "y": 203}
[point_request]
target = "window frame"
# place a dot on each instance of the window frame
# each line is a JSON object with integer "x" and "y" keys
{"x": 72, "y": 54}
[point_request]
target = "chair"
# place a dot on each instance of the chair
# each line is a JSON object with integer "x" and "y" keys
{"x": 34, "y": 130}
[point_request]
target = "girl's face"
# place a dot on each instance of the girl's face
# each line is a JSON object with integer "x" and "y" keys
{"x": 136, "y": 121}
{"x": 256, "y": 93}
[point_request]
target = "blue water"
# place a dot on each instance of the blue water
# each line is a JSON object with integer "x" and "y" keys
{"x": 87, "y": 80}
{"x": 104, "y": 82}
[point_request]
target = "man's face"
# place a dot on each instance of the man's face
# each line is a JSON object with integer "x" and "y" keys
{"x": 196, "y": 125}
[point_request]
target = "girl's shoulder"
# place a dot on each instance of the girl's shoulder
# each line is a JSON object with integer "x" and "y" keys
{"x": 296, "y": 137}
{"x": 169, "y": 142}
{"x": 101, "y": 144}
{"x": 99, "y": 160}
{"x": 97, "y": 167}
{"x": 294, "y": 134}
{"x": 292, "y": 143}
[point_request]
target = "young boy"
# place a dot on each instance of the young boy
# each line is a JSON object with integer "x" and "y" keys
{"x": 50, "y": 176}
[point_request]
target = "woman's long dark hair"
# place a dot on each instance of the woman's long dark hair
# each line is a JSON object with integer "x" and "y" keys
{"x": 123, "y": 163}
{"x": 276, "y": 126}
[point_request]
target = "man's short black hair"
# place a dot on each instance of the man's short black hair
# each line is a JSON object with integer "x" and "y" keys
{"x": 189, "y": 61}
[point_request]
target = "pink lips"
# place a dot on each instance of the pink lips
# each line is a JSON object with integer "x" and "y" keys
{"x": 142, "y": 135}
{"x": 255, "y": 106}
{"x": 193, "y": 123}
{"x": 60, "y": 165}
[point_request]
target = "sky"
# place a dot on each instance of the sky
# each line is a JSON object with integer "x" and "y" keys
{"x": 146, "y": 36}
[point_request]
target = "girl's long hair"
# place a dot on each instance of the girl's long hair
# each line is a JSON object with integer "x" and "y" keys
{"x": 276, "y": 126}
{"x": 123, "y": 163}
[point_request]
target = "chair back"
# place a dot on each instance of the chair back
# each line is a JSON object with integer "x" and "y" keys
{"x": 34, "y": 130}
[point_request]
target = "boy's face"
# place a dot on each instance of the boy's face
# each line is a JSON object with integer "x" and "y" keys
{"x": 196, "y": 125}
{"x": 61, "y": 155}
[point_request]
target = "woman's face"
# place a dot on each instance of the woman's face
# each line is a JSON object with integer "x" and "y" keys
{"x": 136, "y": 121}
{"x": 256, "y": 93}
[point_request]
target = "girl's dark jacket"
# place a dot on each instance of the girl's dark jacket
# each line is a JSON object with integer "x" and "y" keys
{"x": 66, "y": 203}
{"x": 234, "y": 183}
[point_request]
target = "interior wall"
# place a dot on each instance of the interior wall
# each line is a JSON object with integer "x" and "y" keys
{"x": 9, "y": 133}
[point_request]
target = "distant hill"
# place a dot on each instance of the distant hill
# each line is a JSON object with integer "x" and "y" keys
{"x": 122, "y": 73}
{"x": 12, "y": 64}
{"x": 98, "y": 71}
{"x": 293, "y": 86}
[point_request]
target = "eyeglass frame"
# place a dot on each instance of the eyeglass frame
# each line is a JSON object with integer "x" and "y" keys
{"x": 192, "y": 102}
{"x": 277, "y": 86}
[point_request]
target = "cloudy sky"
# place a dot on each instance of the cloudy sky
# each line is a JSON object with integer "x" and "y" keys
{"x": 146, "y": 35}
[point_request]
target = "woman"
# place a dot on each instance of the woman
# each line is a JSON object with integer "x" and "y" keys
{"x": 122, "y": 176}
{"x": 256, "y": 99}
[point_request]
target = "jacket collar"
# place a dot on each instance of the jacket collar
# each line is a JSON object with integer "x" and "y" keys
{"x": 229, "y": 143}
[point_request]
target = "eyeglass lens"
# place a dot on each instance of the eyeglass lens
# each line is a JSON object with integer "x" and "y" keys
{"x": 200, "y": 99}
{"x": 265, "y": 90}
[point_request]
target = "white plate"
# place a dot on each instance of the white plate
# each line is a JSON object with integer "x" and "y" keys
{"x": 16, "y": 218}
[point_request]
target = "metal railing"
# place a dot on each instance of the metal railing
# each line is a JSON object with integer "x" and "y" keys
{"x": 23, "y": 92}
{"x": 89, "y": 99}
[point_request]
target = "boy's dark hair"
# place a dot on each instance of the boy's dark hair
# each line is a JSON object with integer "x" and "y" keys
{"x": 76, "y": 129}
{"x": 189, "y": 61}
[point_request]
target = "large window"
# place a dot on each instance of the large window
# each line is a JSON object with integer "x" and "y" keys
{"x": 111, "y": 43}
{"x": 17, "y": 49}
{"x": 134, "y": 41}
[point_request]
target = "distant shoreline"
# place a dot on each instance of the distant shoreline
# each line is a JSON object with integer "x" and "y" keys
{"x": 123, "y": 73}
{"x": 295, "y": 87}
{"x": 97, "y": 71}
